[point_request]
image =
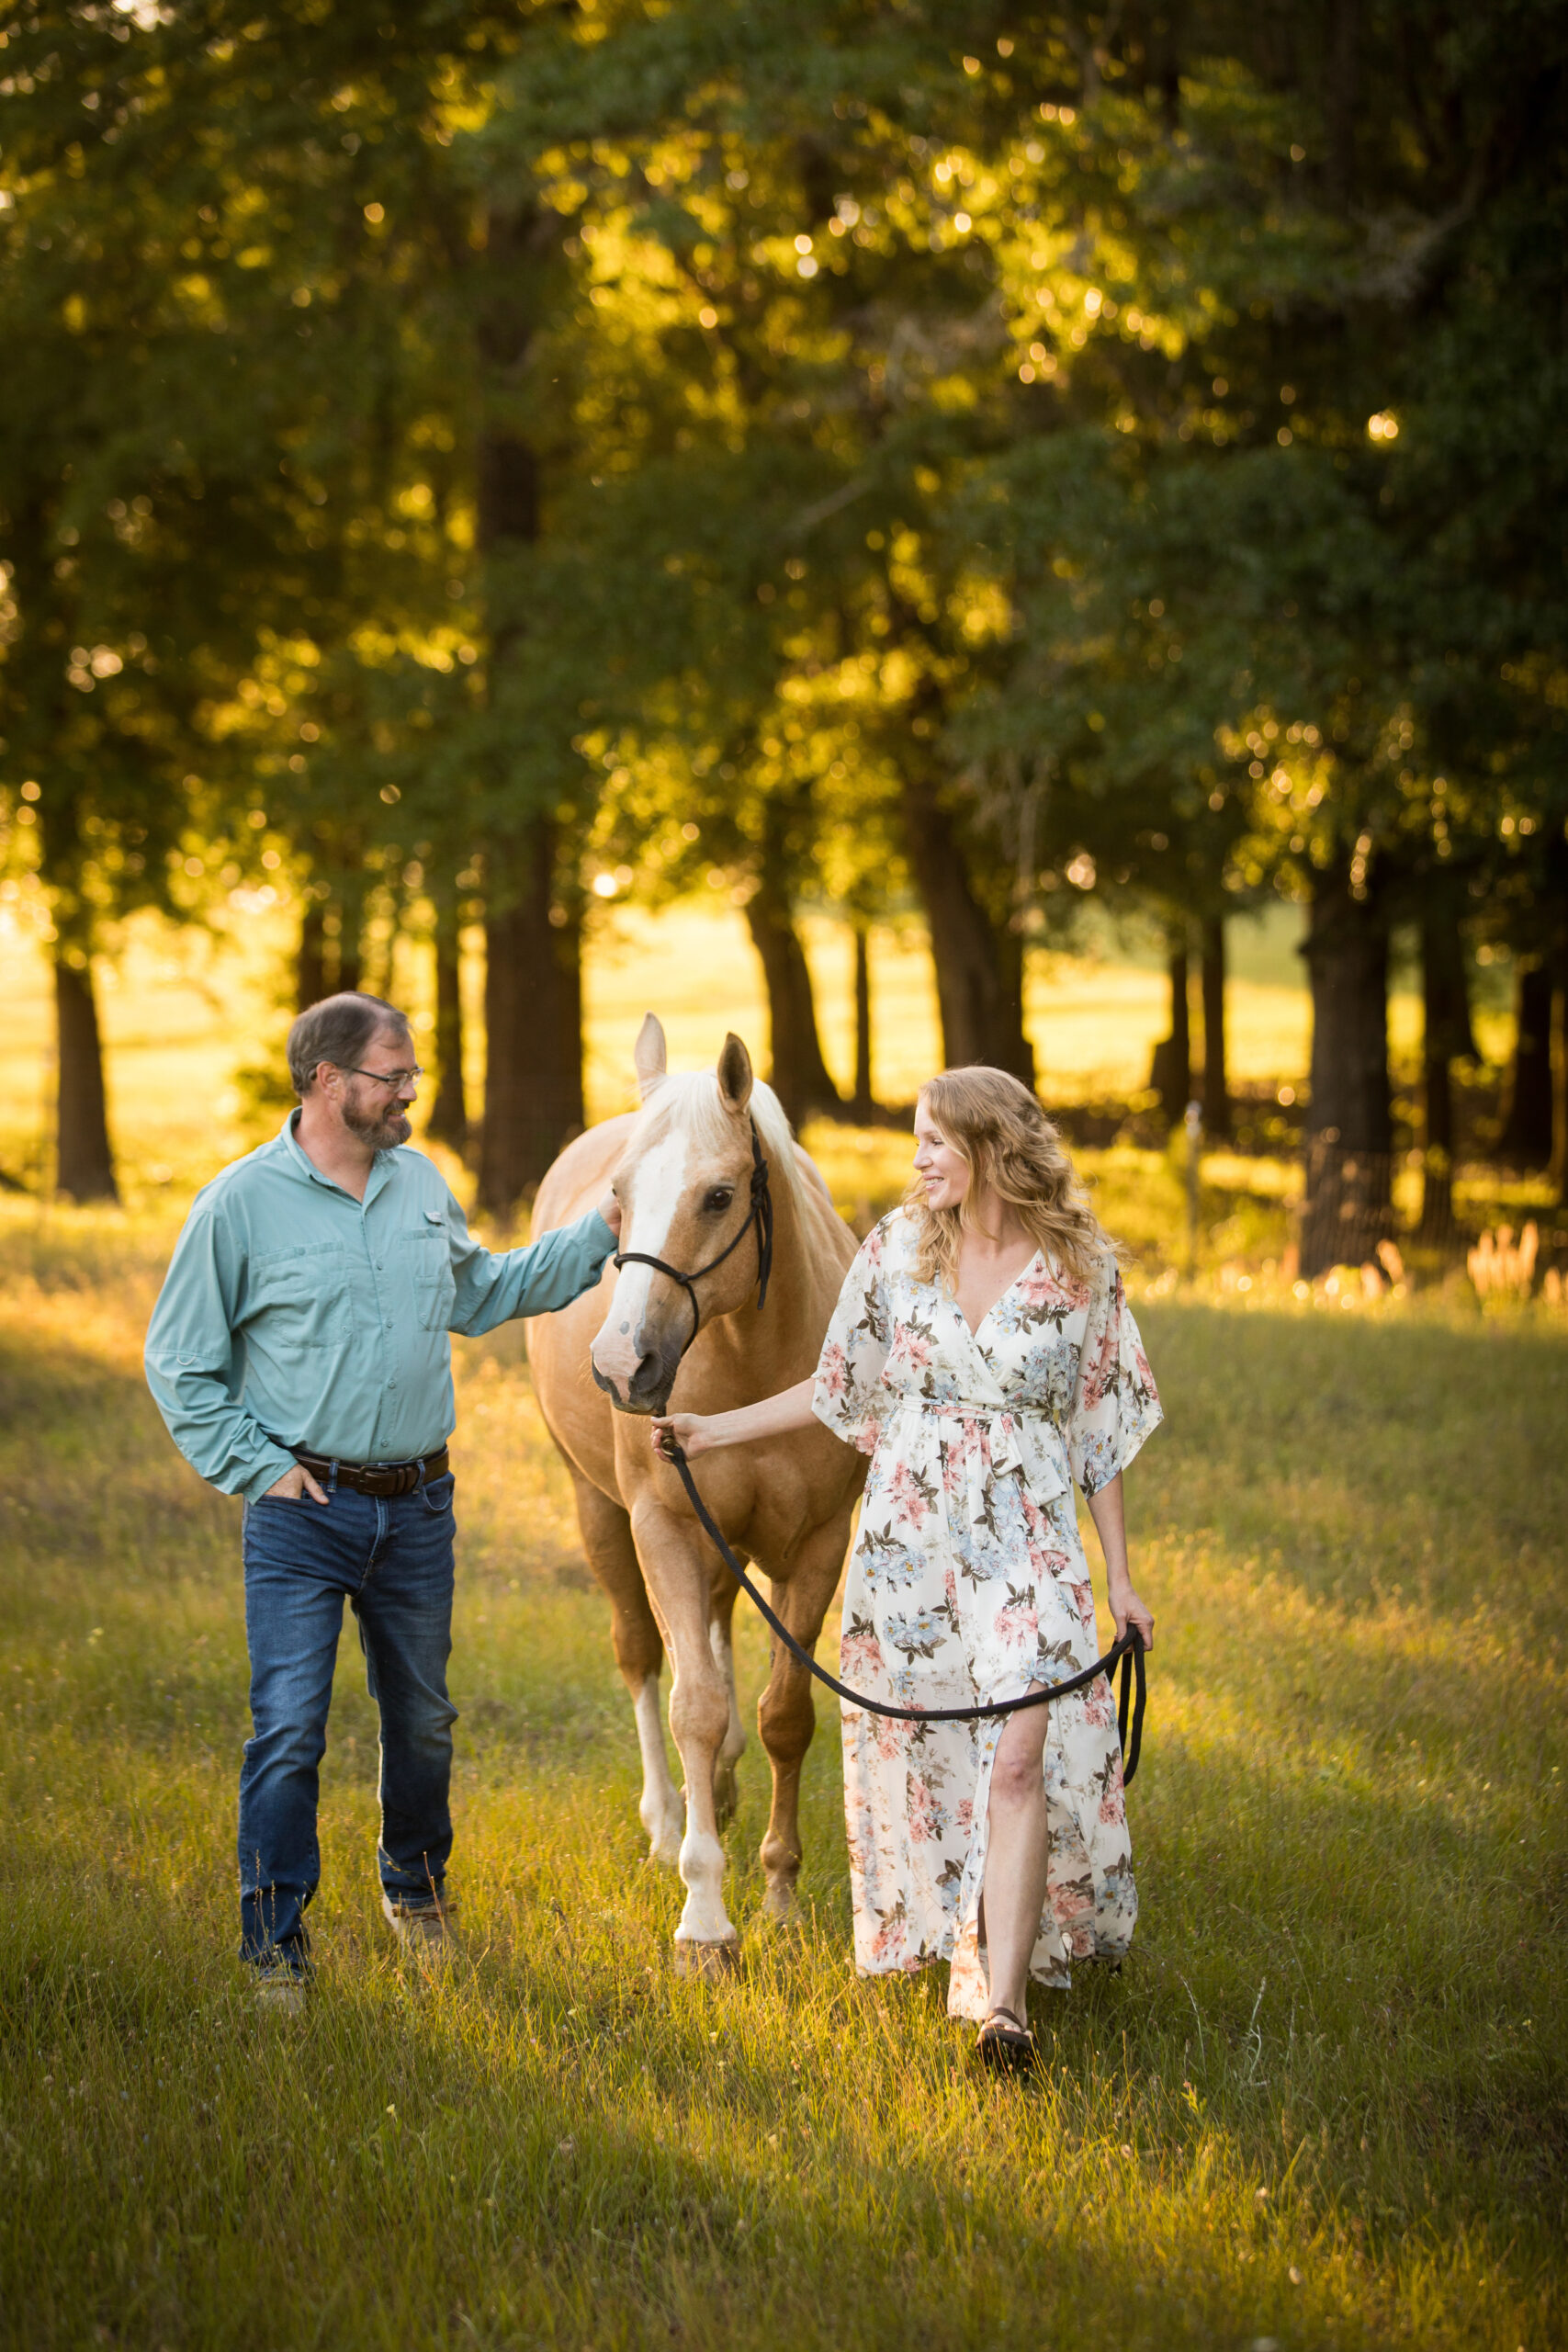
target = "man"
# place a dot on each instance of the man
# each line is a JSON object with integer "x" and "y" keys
{"x": 298, "y": 1354}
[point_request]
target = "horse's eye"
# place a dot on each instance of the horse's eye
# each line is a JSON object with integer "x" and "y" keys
{"x": 719, "y": 1198}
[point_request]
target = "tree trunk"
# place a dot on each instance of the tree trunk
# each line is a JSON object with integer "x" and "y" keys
{"x": 1171, "y": 1071}
{"x": 979, "y": 963}
{"x": 449, "y": 1111}
{"x": 1446, "y": 1038}
{"x": 350, "y": 915}
{"x": 1346, "y": 1211}
{"x": 1527, "y": 1135}
{"x": 862, "y": 1104}
{"x": 310, "y": 962}
{"x": 533, "y": 931}
{"x": 1341, "y": 92}
{"x": 1559, "y": 1162}
{"x": 800, "y": 1078}
{"x": 533, "y": 1021}
{"x": 83, "y": 1162}
{"x": 1217, "y": 1087}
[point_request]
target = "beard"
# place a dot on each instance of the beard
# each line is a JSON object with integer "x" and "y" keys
{"x": 383, "y": 1129}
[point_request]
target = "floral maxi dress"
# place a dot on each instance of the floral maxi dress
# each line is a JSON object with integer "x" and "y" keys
{"x": 968, "y": 1583}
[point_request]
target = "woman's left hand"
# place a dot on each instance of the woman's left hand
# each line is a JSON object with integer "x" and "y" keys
{"x": 1126, "y": 1609}
{"x": 609, "y": 1210}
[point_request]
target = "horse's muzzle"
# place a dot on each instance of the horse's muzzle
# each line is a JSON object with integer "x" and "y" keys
{"x": 648, "y": 1392}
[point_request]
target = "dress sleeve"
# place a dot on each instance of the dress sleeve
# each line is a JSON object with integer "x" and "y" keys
{"x": 1115, "y": 1404}
{"x": 848, "y": 1397}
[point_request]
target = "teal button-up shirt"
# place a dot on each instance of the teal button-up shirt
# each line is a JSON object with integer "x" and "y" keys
{"x": 294, "y": 1315}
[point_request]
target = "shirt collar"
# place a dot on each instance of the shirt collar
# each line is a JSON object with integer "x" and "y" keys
{"x": 303, "y": 1165}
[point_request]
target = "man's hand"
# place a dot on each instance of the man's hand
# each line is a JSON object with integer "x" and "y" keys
{"x": 293, "y": 1485}
{"x": 609, "y": 1210}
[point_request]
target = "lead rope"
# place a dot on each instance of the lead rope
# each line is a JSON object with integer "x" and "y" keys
{"x": 1129, "y": 1649}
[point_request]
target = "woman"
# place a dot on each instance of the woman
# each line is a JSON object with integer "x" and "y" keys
{"x": 982, "y": 1352}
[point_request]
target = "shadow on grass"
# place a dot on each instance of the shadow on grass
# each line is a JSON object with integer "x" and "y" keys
{"x": 1345, "y": 1990}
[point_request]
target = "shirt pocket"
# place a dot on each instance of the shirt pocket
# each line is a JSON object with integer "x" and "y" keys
{"x": 301, "y": 1298}
{"x": 427, "y": 1262}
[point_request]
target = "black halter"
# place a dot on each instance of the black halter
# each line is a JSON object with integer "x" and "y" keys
{"x": 760, "y": 1213}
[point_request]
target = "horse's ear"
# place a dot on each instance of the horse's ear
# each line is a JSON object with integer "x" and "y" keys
{"x": 648, "y": 1054}
{"x": 734, "y": 1074}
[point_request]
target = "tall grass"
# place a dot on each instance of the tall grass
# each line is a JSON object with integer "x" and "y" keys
{"x": 1325, "y": 2102}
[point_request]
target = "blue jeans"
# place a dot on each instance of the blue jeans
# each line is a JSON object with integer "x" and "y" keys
{"x": 391, "y": 1559}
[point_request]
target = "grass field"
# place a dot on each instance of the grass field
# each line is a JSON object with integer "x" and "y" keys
{"x": 1326, "y": 2103}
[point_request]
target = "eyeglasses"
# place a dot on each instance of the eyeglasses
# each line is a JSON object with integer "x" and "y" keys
{"x": 395, "y": 1078}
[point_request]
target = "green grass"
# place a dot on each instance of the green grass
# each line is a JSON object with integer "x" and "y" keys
{"x": 1327, "y": 2102}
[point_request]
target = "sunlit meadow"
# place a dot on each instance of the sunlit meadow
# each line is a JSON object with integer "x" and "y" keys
{"x": 1325, "y": 2103}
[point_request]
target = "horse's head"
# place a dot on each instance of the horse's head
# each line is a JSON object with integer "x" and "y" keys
{"x": 685, "y": 1186}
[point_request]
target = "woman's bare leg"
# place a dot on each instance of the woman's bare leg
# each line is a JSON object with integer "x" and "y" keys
{"x": 1018, "y": 1851}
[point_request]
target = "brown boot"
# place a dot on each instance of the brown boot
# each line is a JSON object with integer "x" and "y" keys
{"x": 424, "y": 1927}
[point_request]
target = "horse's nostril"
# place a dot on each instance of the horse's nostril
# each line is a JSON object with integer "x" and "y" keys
{"x": 648, "y": 1374}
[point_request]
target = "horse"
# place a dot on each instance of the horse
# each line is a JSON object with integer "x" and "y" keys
{"x": 685, "y": 1170}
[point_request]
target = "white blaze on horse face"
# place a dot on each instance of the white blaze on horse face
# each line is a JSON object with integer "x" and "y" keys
{"x": 656, "y": 1195}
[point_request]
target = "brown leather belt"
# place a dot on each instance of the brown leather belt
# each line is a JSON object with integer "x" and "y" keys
{"x": 383, "y": 1478}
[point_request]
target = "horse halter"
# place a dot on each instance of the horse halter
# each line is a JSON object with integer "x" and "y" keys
{"x": 760, "y": 1213}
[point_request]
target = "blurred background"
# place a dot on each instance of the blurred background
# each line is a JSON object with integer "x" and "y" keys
{"x": 921, "y": 534}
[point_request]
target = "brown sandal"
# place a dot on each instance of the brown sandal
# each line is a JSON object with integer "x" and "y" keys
{"x": 1007, "y": 2049}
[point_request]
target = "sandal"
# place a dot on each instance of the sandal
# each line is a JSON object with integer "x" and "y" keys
{"x": 1007, "y": 2049}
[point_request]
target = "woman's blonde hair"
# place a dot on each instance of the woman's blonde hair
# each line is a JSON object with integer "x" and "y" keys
{"x": 995, "y": 1124}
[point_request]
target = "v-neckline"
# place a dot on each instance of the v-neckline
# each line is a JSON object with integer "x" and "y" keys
{"x": 974, "y": 1330}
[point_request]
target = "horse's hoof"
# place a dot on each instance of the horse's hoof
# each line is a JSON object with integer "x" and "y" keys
{"x": 707, "y": 1962}
{"x": 779, "y": 1903}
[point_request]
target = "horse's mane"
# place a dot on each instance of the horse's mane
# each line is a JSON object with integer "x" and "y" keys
{"x": 691, "y": 1100}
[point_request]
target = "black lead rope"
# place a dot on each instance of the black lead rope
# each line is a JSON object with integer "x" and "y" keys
{"x": 1129, "y": 1649}
{"x": 760, "y": 1213}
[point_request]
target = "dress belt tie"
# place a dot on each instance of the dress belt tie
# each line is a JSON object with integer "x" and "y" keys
{"x": 1005, "y": 1427}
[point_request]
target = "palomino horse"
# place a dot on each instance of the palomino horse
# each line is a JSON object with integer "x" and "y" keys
{"x": 683, "y": 1169}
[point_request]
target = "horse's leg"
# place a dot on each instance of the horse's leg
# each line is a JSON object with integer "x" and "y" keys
{"x": 677, "y": 1580}
{"x": 721, "y": 1641}
{"x": 639, "y": 1653}
{"x": 786, "y": 1715}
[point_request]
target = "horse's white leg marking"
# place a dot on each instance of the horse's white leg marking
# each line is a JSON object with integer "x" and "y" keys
{"x": 660, "y": 1175}
{"x": 698, "y": 1715}
{"x": 726, "y": 1795}
{"x": 705, "y": 1920}
{"x": 661, "y": 1811}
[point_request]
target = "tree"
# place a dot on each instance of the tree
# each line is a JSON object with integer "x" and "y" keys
{"x": 136, "y": 533}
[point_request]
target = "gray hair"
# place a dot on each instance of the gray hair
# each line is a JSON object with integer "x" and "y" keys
{"x": 340, "y": 1030}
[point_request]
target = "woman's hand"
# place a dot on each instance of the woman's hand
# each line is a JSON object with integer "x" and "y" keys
{"x": 743, "y": 1425}
{"x": 689, "y": 1431}
{"x": 609, "y": 1210}
{"x": 1126, "y": 1609}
